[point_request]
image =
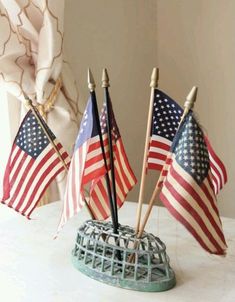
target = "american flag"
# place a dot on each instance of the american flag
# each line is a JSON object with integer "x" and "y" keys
{"x": 33, "y": 164}
{"x": 187, "y": 189}
{"x": 86, "y": 165}
{"x": 166, "y": 118}
{"x": 124, "y": 176}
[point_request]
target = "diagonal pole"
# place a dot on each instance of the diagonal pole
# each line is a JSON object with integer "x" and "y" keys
{"x": 188, "y": 105}
{"x": 29, "y": 104}
{"x": 153, "y": 85}
{"x": 37, "y": 115}
{"x": 91, "y": 86}
{"x": 105, "y": 85}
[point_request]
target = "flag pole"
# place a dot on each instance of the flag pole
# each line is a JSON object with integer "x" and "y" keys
{"x": 29, "y": 104}
{"x": 153, "y": 85}
{"x": 91, "y": 86}
{"x": 105, "y": 85}
{"x": 188, "y": 105}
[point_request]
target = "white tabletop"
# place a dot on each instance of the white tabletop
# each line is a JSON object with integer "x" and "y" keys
{"x": 34, "y": 267}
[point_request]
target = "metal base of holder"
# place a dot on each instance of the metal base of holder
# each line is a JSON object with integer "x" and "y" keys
{"x": 105, "y": 256}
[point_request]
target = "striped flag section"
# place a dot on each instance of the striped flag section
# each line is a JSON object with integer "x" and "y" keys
{"x": 33, "y": 164}
{"x": 124, "y": 176}
{"x": 219, "y": 174}
{"x": 187, "y": 189}
{"x": 165, "y": 120}
{"x": 86, "y": 165}
{"x": 166, "y": 117}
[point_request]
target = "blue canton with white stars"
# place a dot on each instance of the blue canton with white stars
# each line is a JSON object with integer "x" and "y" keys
{"x": 31, "y": 137}
{"x": 88, "y": 126}
{"x": 190, "y": 149}
{"x": 166, "y": 115}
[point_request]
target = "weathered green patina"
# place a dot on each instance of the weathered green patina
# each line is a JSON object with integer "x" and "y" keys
{"x": 121, "y": 259}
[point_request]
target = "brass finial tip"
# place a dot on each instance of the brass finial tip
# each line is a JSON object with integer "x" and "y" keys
{"x": 191, "y": 98}
{"x": 90, "y": 80}
{"x": 27, "y": 101}
{"x": 154, "y": 78}
{"x": 105, "y": 78}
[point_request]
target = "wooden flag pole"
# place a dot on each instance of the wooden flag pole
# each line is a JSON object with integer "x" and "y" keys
{"x": 29, "y": 104}
{"x": 91, "y": 86}
{"x": 188, "y": 105}
{"x": 105, "y": 85}
{"x": 153, "y": 85}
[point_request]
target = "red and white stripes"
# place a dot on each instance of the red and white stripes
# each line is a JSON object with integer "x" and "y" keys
{"x": 27, "y": 178}
{"x": 194, "y": 206}
{"x": 125, "y": 180}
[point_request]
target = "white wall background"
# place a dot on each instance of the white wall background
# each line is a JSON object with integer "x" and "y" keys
{"x": 193, "y": 43}
{"x": 119, "y": 35}
{"x": 196, "y": 46}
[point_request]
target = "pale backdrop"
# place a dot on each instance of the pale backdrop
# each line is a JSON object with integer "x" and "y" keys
{"x": 196, "y": 45}
{"x": 193, "y": 43}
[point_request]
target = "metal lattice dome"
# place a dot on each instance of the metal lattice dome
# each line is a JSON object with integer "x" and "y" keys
{"x": 122, "y": 259}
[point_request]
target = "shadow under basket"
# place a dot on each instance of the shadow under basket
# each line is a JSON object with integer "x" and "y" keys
{"x": 121, "y": 259}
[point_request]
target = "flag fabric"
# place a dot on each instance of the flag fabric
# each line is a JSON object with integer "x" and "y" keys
{"x": 219, "y": 174}
{"x": 86, "y": 165}
{"x": 166, "y": 118}
{"x": 32, "y": 165}
{"x": 187, "y": 189}
{"x": 124, "y": 176}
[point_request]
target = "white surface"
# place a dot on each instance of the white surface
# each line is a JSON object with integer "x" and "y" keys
{"x": 34, "y": 267}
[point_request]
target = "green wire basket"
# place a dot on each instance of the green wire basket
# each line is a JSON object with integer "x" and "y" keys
{"x": 121, "y": 259}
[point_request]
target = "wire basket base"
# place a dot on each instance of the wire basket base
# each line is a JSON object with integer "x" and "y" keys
{"x": 121, "y": 259}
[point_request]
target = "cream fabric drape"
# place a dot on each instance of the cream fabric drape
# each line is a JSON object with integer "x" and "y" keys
{"x": 31, "y": 61}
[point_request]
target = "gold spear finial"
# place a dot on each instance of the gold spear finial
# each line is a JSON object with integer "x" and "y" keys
{"x": 27, "y": 101}
{"x": 105, "y": 78}
{"x": 91, "y": 81}
{"x": 154, "y": 78}
{"x": 191, "y": 98}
